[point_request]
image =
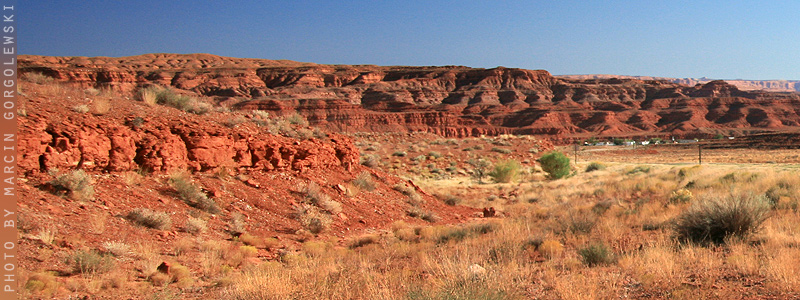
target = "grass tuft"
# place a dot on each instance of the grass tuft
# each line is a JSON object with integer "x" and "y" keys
{"x": 716, "y": 220}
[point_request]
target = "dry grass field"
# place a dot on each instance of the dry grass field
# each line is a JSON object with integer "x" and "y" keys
{"x": 640, "y": 231}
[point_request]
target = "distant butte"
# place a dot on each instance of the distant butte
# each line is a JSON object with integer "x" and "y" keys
{"x": 452, "y": 101}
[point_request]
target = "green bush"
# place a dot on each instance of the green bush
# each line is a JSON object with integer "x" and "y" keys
{"x": 597, "y": 254}
{"x": 479, "y": 168}
{"x": 151, "y": 219}
{"x": 83, "y": 261}
{"x": 501, "y": 150}
{"x": 556, "y": 164}
{"x": 505, "y": 171}
{"x": 191, "y": 194}
{"x": 594, "y": 166}
{"x": 716, "y": 220}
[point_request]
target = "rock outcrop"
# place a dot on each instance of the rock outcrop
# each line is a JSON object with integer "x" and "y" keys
{"x": 99, "y": 144}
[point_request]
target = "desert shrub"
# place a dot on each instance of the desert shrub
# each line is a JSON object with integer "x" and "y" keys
{"x": 37, "y": 77}
{"x": 236, "y": 225}
{"x": 191, "y": 194}
{"x": 580, "y": 222}
{"x": 715, "y": 220}
{"x": 505, "y": 171}
{"x": 261, "y": 114}
{"x": 399, "y": 153}
{"x": 81, "y": 109}
{"x": 555, "y": 164}
{"x": 297, "y": 119}
{"x": 596, "y": 254}
{"x": 639, "y": 169}
{"x": 594, "y": 166}
{"x": 681, "y": 196}
{"x": 419, "y": 158}
{"x": 417, "y": 212}
{"x": 364, "y": 181}
{"x": 195, "y": 225}
{"x": 363, "y": 241}
{"x": 118, "y": 249}
{"x": 371, "y": 160}
{"x": 149, "y": 218}
{"x": 77, "y": 183}
{"x": 316, "y": 196}
{"x": 89, "y": 262}
{"x": 550, "y": 248}
{"x": 434, "y": 154}
{"x": 312, "y": 219}
{"x": 501, "y": 143}
{"x": 41, "y": 282}
{"x": 452, "y": 234}
{"x": 451, "y": 200}
{"x": 408, "y": 191}
{"x": 479, "y": 168}
{"x": 233, "y": 121}
{"x": 171, "y": 98}
{"x": 502, "y": 150}
{"x": 148, "y": 95}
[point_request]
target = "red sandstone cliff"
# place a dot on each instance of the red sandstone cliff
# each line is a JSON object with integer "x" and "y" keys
{"x": 451, "y": 100}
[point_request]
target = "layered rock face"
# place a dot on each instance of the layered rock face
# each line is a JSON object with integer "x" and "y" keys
{"x": 98, "y": 144}
{"x": 746, "y": 85}
{"x": 452, "y": 100}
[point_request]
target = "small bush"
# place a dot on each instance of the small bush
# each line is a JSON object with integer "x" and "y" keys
{"x": 77, "y": 183}
{"x": 148, "y": 95}
{"x": 716, "y": 220}
{"x": 171, "y": 98}
{"x": 37, "y": 77}
{"x": 555, "y": 164}
{"x": 316, "y": 196}
{"x": 412, "y": 194}
{"x": 594, "y": 166}
{"x": 681, "y": 196}
{"x": 371, "y": 160}
{"x": 597, "y": 254}
{"x": 81, "y": 109}
{"x": 451, "y": 200}
{"x": 89, "y": 262}
{"x": 399, "y": 153}
{"x": 364, "y": 181}
{"x": 505, "y": 171}
{"x": 502, "y": 150}
{"x": 191, "y": 194}
{"x": 417, "y": 212}
{"x": 480, "y": 167}
{"x": 195, "y": 225}
{"x": 312, "y": 219}
{"x": 118, "y": 249}
{"x": 550, "y": 248}
{"x": 434, "y": 154}
{"x": 364, "y": 240}
{"x": 151, "y": 219}
{"x": 639, "y": 169}
{"x": 297, "y": 119}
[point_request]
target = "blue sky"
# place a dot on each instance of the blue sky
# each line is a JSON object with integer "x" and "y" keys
{"x": 716, "y": 39}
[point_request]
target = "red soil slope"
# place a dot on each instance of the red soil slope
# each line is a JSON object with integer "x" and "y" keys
{"x": 242, "y": 167}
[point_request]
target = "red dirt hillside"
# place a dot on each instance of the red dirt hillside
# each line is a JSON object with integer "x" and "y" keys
{"x": 260, "y": 184}
{"x": 452, "y": 100}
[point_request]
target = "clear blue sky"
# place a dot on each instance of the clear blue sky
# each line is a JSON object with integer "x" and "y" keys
{"x": 716, "y": 39}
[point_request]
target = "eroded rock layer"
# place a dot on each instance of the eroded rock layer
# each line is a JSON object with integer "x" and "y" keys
{"x": 450, "y": 100}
